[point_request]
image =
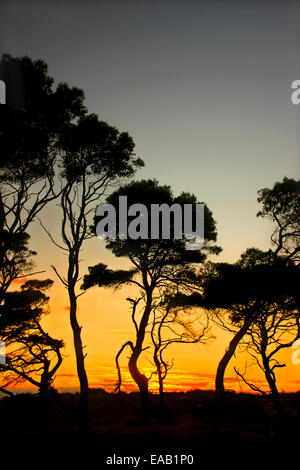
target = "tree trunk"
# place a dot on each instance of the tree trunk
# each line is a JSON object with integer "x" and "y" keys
{"x": 279, "y": 423}
{"x": 161, "y": 385}
{"x": 45, "y": 414}
{"x": 272, "y": 385}
{"x": 82, "y": 376}
{"x": 142, "y": 382}
{"x": 228, "y": 355}
{"x": 269, "y": 374}
{"x": 161, "y": 395}
{"x": 139, "y": 378}
{"x": 44, "y": 384}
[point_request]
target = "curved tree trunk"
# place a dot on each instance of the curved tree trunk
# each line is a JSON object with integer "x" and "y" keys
{"x": 82, "y": 376}
{"x": 272, "y": 383}
{"x": 139, "y": 378}
{"x": 45, "y": 382}
{"x": 160, "y": 383}
{"x": 270, "y": 376}
{"x": 228, "y": 355}
{"x": 142, "y": 382}
{"x": 45, "y": 413}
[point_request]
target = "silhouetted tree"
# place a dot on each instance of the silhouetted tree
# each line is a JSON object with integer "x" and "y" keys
{"x": 174, "y": 322}
{"x": 239, "y": 293}
{"x": 30, "y": 122}
{"x": 16, "y": 260}
{"x": 276, "y": 327}
{"x": 281, "y": 205}
{"x": 158, "y": 265}
{"x": 94, "y": 157}
{"x": 233, "y": 293}
{"x": 32, "y": 354}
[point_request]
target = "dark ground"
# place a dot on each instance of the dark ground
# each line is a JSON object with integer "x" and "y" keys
{"x": 242, "y": 427}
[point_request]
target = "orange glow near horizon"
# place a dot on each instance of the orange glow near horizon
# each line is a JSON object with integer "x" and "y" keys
{"x": 177, "y": 381}
{"x": 105, "y": 316}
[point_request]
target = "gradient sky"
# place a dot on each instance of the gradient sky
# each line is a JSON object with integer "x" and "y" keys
{"x": 204, "y": 89}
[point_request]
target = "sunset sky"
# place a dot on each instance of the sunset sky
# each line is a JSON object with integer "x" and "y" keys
{"x": 204, "y": 90}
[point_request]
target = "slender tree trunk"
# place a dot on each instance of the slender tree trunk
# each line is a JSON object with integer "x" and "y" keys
{"x": 44, "y": 384}
{"x": 44, "y": 396}
{"x": 270, "y": 377}
{"x": 228, "y": 355}
{"x": 161, "y": 395}
{"x": 220, "y": 390}
{"x": 142, "y": 382}
{"x": 82, "y": 376}
{"x": 279, "y": 423}
{"x": 271, "y": 382}
{"x": 160, "y": 384}
{"x": 139, "y": 378}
